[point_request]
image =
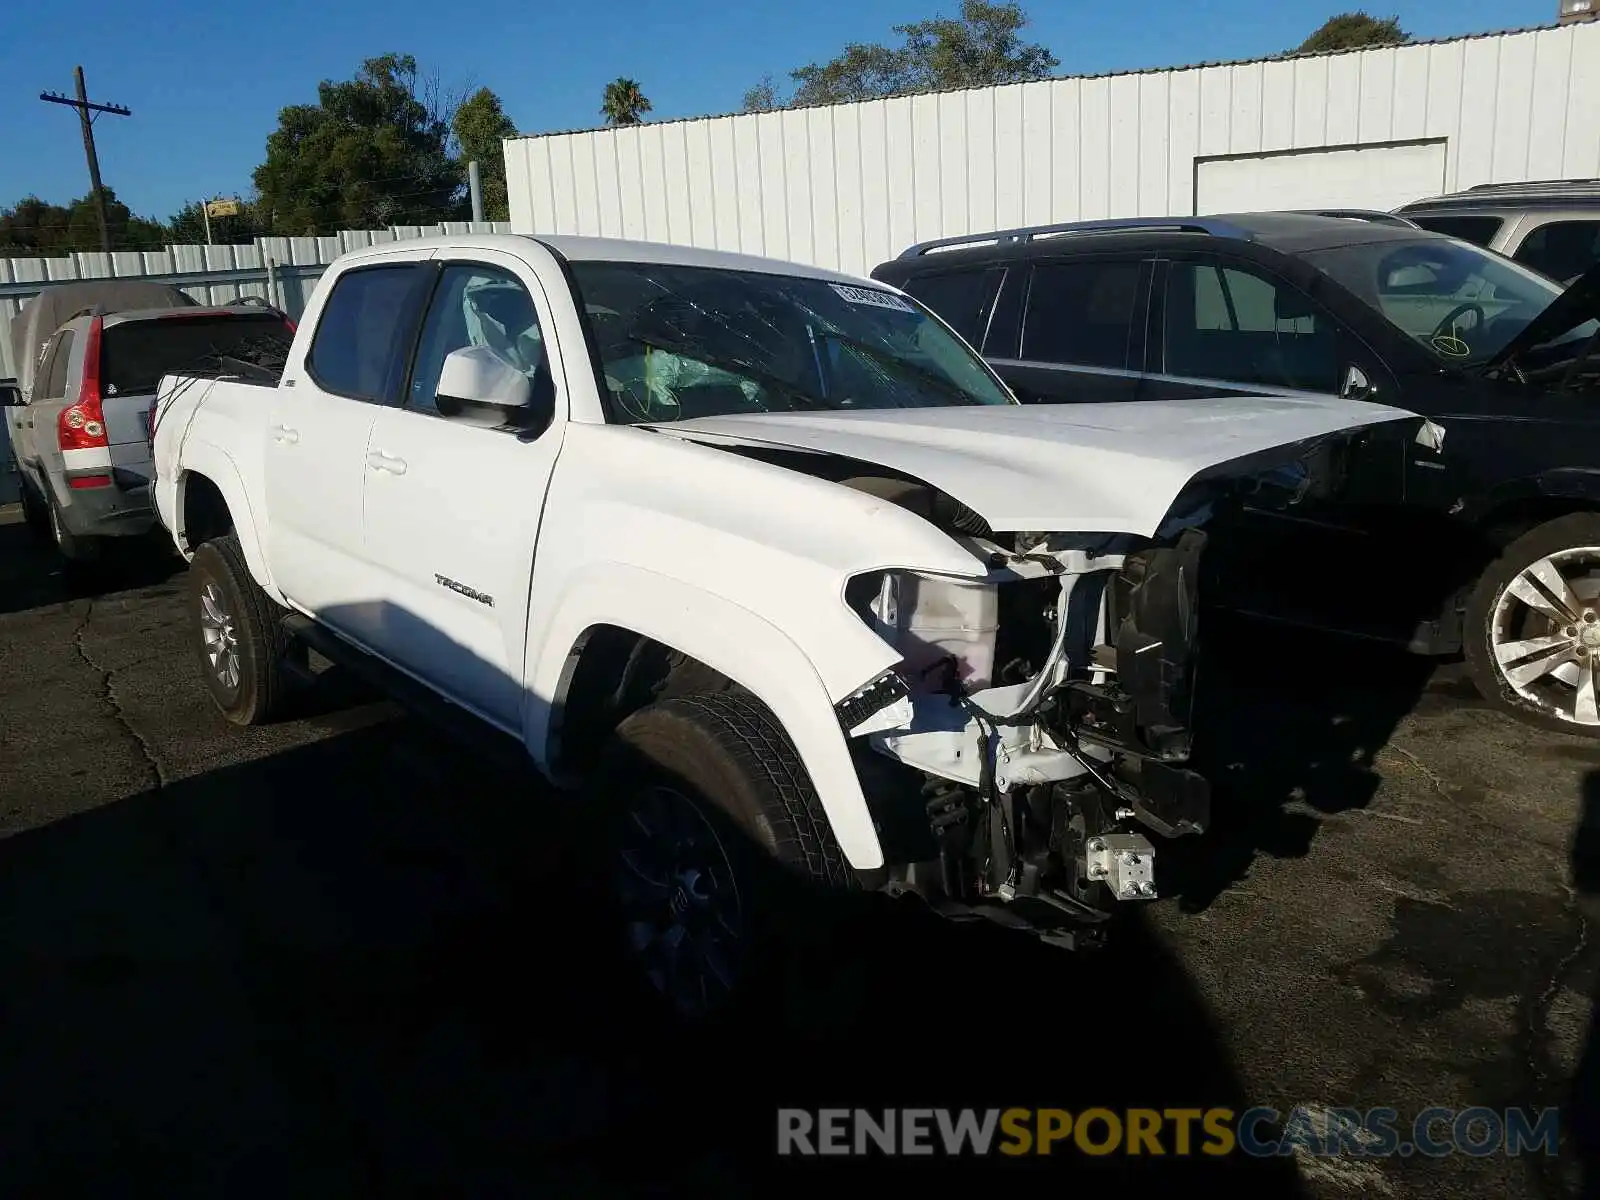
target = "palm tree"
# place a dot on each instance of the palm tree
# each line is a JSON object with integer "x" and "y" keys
{"x": 624, "y": 103}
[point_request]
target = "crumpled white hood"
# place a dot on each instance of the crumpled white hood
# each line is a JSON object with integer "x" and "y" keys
{"x": 1101, "y": 468}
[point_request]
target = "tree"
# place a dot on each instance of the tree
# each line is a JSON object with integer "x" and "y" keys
{"x": 480, "y": 126}
{"x": 980, "y": 48}
{"x": 1353, "y": 30}
{"x": 34, "y": 228}
{"x": 623, "y": 103}
{"x": 373, "y": 151}
{"x": 762, "y": 97}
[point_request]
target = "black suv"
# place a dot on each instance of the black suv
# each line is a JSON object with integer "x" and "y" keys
{"x": 1479, "y": 535}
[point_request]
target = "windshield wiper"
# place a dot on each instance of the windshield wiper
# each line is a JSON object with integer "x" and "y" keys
{"x": 909, "y": 368}
{"x": 758, "y": 374}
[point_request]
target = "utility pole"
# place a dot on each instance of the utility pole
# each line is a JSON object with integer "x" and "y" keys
{"x": 475, "y": 190}
{"x": 87, "y": 123}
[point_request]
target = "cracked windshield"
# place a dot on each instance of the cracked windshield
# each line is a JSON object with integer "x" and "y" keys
{"x": 679, "y": 342}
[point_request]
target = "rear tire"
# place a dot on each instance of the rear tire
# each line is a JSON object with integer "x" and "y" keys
{"x": 77, "y": 549}
{"x": 1521, "y": 658}
{"x": 35, "y": 513}
{"x": 721, "y": 854}
{"x": 239, "y": 641}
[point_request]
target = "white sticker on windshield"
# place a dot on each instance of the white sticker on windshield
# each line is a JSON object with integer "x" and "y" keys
{"x": 855, "y": 295}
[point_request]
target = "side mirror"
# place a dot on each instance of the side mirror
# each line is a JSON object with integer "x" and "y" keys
{"x": 10, "y": 394}
{"x": 1356, "y": 385}
{"x": 479, "y": 375}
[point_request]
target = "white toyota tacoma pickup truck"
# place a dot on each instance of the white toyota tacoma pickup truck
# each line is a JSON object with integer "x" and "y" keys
{"x": 759, "y": 559}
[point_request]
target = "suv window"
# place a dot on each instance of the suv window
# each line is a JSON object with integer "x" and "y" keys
{"x": 1479, "y": 231}
{"x": 964, "y": 299}
{"x": 1081, "y": 313}
{"x": 1562, "y": 250}
{"x": 136, "y": 354}
{"x": 53, "y": 372}
{"x": 356, "y": 351}
{"x": 1235, "y": 324}
{"x": 478, "y": 305}
{"x": 1463, "y": 303}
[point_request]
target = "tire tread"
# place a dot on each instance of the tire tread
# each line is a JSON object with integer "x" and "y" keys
{"x": 757, "y": 745}
{"x": 263, "y": 621}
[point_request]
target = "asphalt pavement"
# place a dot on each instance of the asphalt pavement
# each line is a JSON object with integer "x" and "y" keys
{"x": 342, "y": 955}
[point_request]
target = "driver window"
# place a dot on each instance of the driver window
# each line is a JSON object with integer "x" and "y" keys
{"x": 478, "y": 305}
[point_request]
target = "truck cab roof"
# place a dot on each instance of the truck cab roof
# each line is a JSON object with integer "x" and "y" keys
{"x": 604, "y": 249}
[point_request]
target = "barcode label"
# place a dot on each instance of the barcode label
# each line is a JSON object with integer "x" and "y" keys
{"x": 872, "y": 296}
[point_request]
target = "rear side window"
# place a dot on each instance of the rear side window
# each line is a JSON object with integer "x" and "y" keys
{"x": 53, "y": 371}
{"x": 1479, "y": 231}
{"x": 360, "y": 342}
{"x": 1081, "y": 313}
{"x": 135, "y": 355}
{"x": 1562, "y": 250}
{"x": 964, "y": 299}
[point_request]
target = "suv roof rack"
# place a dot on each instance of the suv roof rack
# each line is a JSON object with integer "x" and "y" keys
{"x": 1534, "y": 185}
{"x": 1376, "y": 215}
{"x": 1533, "y": 193}
{"x": 1030, "y": 232}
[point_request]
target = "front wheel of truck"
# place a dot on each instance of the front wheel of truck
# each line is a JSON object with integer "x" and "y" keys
{"x": 722, "y": 859}
{"x": 237, "y": 633}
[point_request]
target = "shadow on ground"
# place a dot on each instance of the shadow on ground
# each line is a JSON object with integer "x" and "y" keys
{"x": 33, "y": 574}
{"x": 1582, "y": 1115}
{"x": 1287, "y": 729}
{"x": 365, "y": 966}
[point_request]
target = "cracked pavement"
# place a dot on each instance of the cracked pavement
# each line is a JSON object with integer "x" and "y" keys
{"x": 340, "y": 949}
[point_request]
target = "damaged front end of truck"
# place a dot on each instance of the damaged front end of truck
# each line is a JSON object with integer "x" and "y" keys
{"x": 1040, "y": 720}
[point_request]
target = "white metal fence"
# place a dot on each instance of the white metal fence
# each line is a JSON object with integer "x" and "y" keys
{"x": 280, "y": 270}
{"x": 850, "y": 185}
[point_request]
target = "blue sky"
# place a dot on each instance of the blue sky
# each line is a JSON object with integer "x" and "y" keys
{"x": 205, "y": 81}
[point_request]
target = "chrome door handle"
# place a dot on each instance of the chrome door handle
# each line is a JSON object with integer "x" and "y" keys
{"x": 282, "y": 433}
{"x": 379, "y": 461}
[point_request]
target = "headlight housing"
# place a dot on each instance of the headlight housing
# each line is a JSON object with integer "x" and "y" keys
{"x": 931, "y": 620}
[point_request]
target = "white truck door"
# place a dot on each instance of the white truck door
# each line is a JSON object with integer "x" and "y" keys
{"x": 454, "y": 492}
{"x": 314, "y": 457}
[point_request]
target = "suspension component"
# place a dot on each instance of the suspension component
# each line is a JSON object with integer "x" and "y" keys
{"x": 949, "y": 807}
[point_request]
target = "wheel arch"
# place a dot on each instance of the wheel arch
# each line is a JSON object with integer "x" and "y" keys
{"x": 1513, "y": 509}
{"x": 709, "y": 632}
{"x": 210, "y": 478}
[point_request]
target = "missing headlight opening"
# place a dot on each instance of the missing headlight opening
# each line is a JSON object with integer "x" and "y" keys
{"x": 1045, "y": 708}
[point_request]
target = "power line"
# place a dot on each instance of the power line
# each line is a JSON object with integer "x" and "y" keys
{"x": 84, "y": 108}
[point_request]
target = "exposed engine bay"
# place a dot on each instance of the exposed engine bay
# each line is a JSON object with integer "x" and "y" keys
{"x": 1046, "y": 708}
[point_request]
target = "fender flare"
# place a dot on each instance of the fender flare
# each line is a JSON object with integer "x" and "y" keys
{"x": 213, "y": 462}
{"x": 745, "y": 647}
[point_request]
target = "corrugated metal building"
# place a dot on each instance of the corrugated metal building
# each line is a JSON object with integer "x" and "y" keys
{"x": 850, "y": 185}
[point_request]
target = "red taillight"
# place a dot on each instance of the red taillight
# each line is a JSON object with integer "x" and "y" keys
{"x": 289, "y": 325}
{"x": 82, "y": 426}
{"x": 88, "y": 481}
